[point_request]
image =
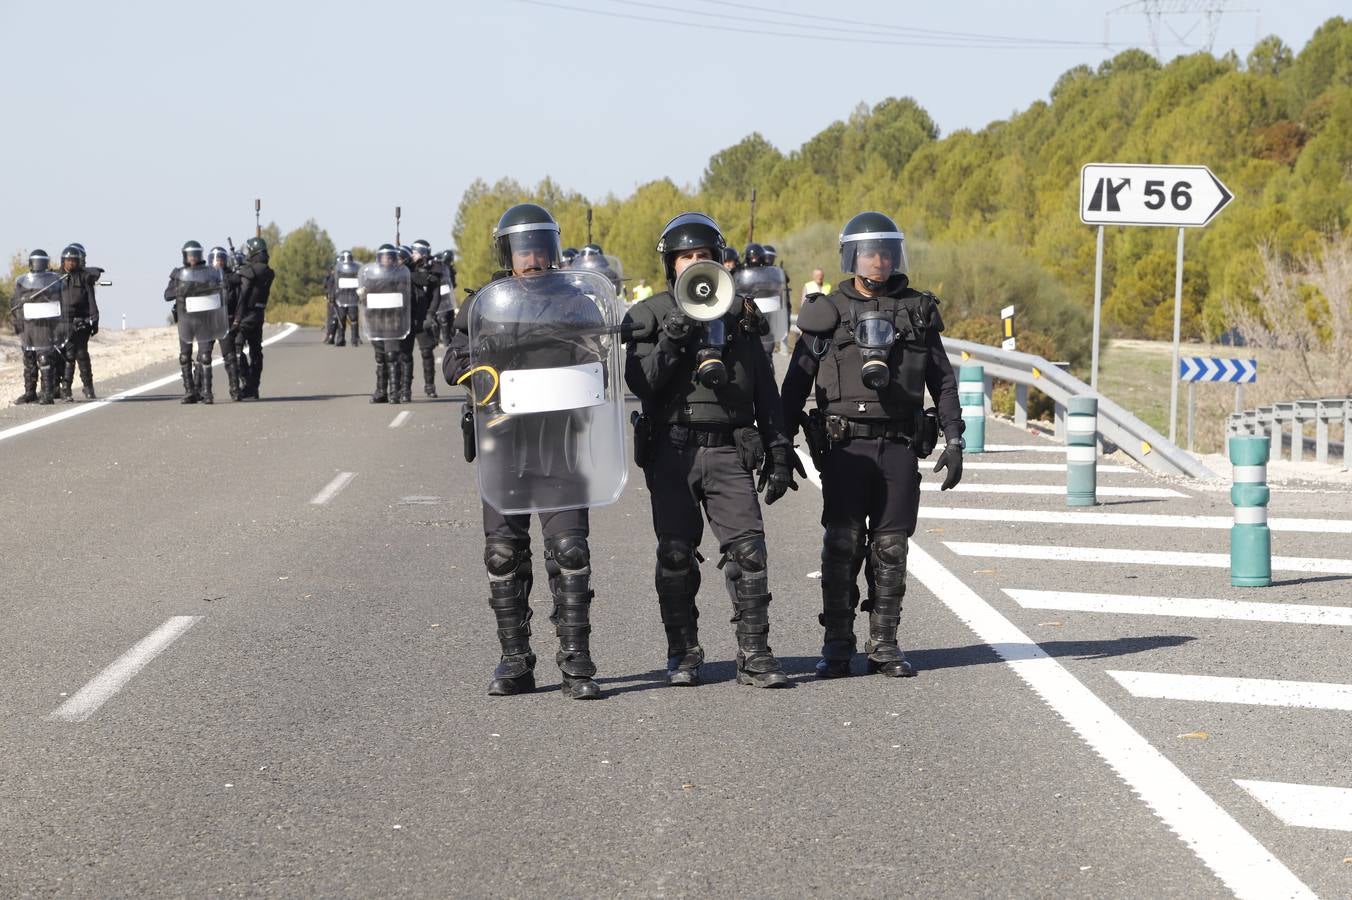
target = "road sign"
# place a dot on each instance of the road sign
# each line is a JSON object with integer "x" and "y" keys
{"x": 1007, "y": 319}
{"x": 1208, "y": 368}
{"x": 1173, "y": 196}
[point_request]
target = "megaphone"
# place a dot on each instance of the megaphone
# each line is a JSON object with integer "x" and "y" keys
{"x": 704, "y": 291}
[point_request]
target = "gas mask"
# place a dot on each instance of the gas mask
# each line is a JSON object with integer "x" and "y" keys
{"x": 875, "y": 334}
{"x": 709, "y": 367}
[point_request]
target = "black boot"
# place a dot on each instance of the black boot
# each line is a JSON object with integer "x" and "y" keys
{"x": 392, "y": 377}
{"x": 406, "y": 379}
{"x": 888, "y": 562}
{"x": 231, "y": 375}
{"x": 842, "y": 552}
{"x": 515, "y": 673}
{"x": 86, "y": 377}
{"x": 204, "y": 383}
{"x": 429, "y": 376}
{"x": 744, "y": 567}
{"x": 381, "y": 394}
{"x": 189, "y": 388}
{"x": 47, "y": 382}
{"x": 67, "y": 377}
{"x": 568, "y": 560}
{"x": 678, "y": 582}
{"x": 30, "y": 386}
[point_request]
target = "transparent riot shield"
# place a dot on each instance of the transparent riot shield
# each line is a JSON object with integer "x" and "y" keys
{"x": 346, "y": 283}
{"x": 445, "y": 290}
{"x": 386, "y": 302}
{"x": 765, "y": 286}
{"x": 37, "y": 297}
{"x": 202, "y": 315}
{"x": 548, "y": 387}
{"x": 602, "y": 264}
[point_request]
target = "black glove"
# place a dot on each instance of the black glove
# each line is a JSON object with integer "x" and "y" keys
{"x": 677, "y": 327}
{"x": 93, "y": 327}
{"x": 751, "y": 451}
{"x": 783, "y": 463}
{"x": 950, "y": 459}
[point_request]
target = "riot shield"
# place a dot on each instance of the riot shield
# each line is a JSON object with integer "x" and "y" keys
{"x": 765, "y": 286}
{"x": 202, "y": 315}
{"x": 37, "y": 297}
{"x": 445, "y": 290}
{"x": 603, "y": 264}
{"x": 386, "y": 302}
{"x": 346, "y": 283}
{"x": 548, "y": 386}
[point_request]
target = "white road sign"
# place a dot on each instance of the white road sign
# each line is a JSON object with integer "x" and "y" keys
{"x": 1174, "y": 196}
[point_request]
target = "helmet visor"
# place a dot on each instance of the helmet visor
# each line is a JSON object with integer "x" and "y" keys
{"x": 532, "y": 251}
{"x": 875, "y": 257}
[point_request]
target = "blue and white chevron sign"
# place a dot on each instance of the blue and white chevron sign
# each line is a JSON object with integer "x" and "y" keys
{"x": 1209, "y": 368}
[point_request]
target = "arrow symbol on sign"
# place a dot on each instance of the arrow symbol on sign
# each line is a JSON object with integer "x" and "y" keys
{"x": 1226, "y": 196}
{"x": 1212, "y": 370}
{"x": 1230, "y": 367}
{"x": 1188, "y": 369}
{"x": 1249, "y": 370}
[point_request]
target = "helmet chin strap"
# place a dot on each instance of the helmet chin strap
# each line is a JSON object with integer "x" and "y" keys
{"x": 873, "y": 285}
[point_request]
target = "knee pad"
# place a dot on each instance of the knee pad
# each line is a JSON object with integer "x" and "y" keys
{"x": 204, "y": 357}
{"x": 185, "y": 359}
{"x": 675, "y": 554}
{"x": 746, "y": 557}
{"x": 503, "y": 559}
{"x": 842, "y": 544}
{"x": 889, "y": 550}
{"x": 570, "y": 552}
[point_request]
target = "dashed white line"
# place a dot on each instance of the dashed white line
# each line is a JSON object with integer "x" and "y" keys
{"x": 1141, "y": 520}
{"x": 103, "y": 686}
{"x": 1304, "y": 805}
{"x": 1143, "y": 557}
{"x": 1248, "y": 691}
{"x": 1183, "y": 607}
{"x": 1236, "y": 857}
{"x": 400, "y": 419}
{"x": 967, "y": 487}
{"x": 340, "y": 481}
{"x": 122, "y": 395}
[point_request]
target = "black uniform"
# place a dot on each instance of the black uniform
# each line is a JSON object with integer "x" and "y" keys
{"x": 705, "y": 446}
{"x": 196, "y": 373}
{"x": 231, "y": 345}
{"x": 331, "y": 306}
{"x": 255, "y": 286}
{"x": 426, "y": 284}
{"x": 82, "y": 311}
{"x": 864, "y": 442}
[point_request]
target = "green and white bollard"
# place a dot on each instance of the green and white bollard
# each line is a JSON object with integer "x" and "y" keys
{"x": 972, "y": 396}
{"x": 1082, "y": 451}
{"x": 1250, "y": 539}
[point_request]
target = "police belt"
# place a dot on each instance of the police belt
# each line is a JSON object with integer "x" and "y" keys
{"x": 865, "y": 429}
{"x": 699, "y": 437}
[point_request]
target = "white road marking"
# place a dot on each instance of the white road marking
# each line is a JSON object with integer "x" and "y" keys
{"x": 1183, "y": 607}
{"x": 340, "y": 481}
{"x": 1142, "y": 520}
{"x": 967, "y": 487}
{"x": 1143, "y": 557}
{"x": 1035, "y": 467}
{"x": 400, "y": 419}
{"x": 1304, "y": 805}
{"x": 1236, "y": 857}
{"x": 1249, "y": 691}
{"x": 1024, "y": 448}
{"x": 103, "y": 686}
{"x": 83, "y": 408}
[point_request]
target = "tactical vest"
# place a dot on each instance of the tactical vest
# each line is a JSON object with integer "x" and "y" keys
{"x": 684, "y": 401}
{"x": 840, "y": 387}
{"x": 75, "y": 296}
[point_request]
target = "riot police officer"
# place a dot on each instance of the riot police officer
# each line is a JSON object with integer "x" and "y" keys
{"x": 711, "y": 418}
{"x": 385, "y": 327}
{"x": 255, "y": 285}
{"x": 446, "y": 307}
{"x": 200, "y": 313}
{"x": 330, "y": 303}
{"x": 81, "y": 310}
{"x": 38, "y": 315}
{"x": 221, "y": 260}
{"x": 731, "y": 261}
{"x": 872, "y": 348}
{"x": 425, "y": 275}
{"x": 345, "y": 273}
{"x": 526, "y": 245}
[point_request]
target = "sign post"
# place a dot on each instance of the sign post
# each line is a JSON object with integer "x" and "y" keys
{"x": 1160, "y": 196}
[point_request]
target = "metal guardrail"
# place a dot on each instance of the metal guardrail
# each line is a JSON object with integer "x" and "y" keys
{"x": 1116, "y": 426}
{"x": 1276, "y": 420}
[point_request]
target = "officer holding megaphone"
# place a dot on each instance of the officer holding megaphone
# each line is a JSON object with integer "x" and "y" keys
{"x": 711, "y": 420}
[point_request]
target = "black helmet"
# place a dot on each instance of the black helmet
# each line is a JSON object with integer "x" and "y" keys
{"x": 38, "y": 261}
{"x": 526, "y": 226}
{"x": 592, "y": 250}
{"x": 730, "y": 256}
{"x": 688, "y": 231}
{"x": 192, "y": 254}
{"x": 256, "y": 249}
{"x": 446, "y": 256}
{"x": 387, "y": 255}
{"x": 753, "y": 255}
{"x": 405, "y": 254}
{"x": 345, "y": 256}
{"x": 75, "y": 252}
{"x": 771, "y": 254}
{"x": 568, "y": 255}
{"x": 218, "y": 255}
{"x": 423, "y": 250}
{"x": 872, "y": 232}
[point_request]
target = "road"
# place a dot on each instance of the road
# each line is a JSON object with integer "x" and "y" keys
{"x": 247, "y": 646}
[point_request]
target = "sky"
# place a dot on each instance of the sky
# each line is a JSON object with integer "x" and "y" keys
{"x": 136, "y": 126}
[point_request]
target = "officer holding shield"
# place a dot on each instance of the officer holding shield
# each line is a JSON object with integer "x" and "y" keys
{"x": 539, "y": 352}
{"x": 872, "y": 348}
{"x": 197, "y": 292}
{"x": 345, "y": 273}
{"x": 711, "y": 418}
{"x": 764, "y": 285}
{"x": 220, "y": 260}
{"x": 39, "y": 317}
{"x": 386, "y": 310}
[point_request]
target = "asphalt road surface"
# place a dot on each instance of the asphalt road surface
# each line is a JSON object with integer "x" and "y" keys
{"x": 246, "y": 647}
